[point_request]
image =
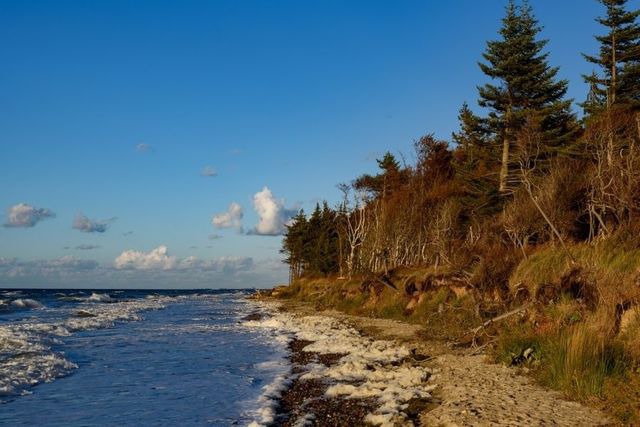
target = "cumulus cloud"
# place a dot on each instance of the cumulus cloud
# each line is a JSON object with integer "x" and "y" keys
{"x": 87, "y": 225}
{"x": 143, "y": 148}
{"x": 157, "y": 259}
{"x": 272, "y": 214}
{"x": 209, "y": 171}
{"x": 232, "y": 218}
{"x": 24, "y": 215}
{"x": 160, "y": 259}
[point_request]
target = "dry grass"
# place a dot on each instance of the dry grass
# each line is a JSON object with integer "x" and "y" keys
{"x": 579, "y": 361}
{"x": 576, "y": 352}
{"x": 577, "y": 348}
{"x": 444, "y": 315}
{"x": 614, "y": 267}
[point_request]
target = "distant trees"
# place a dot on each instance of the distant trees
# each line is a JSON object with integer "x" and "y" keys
{"x": 312, "y": 245}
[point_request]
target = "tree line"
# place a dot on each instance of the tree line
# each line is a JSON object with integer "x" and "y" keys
{"x": 525, "y": 173}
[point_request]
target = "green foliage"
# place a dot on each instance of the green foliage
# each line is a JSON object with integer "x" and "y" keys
{"x": 618, "y": 59}
{"x": 390, "y": 178}
{"x": 312, "y": 245}
{"x": 526, "y": 82}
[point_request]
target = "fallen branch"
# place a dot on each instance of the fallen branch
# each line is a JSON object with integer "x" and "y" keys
{"x": 472, "y": 335}
{"x": 385, "y": 281}
{"x": 498, "y": 318}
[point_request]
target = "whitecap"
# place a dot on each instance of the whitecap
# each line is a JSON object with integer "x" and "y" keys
{"x": 26, "y": 303}
{"x": 96, "y": 297}
{"x": 26, "y": 354}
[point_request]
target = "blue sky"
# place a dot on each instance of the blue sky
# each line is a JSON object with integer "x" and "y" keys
{"x": 110, "y": 111}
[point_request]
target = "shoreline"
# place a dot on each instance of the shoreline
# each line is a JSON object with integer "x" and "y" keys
{"x": 463, "y": 389}
{"x": 339, "y": 376}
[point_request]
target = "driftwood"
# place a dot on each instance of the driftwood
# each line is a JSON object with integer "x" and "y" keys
{"x": 473, "y": 333}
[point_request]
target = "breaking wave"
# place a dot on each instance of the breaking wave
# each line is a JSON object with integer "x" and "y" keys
{"x": 28, "y": 354}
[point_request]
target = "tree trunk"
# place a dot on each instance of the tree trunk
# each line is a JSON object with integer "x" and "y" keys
{"x": 614, "y": 72}
{"x": 504, "y": 167}
{"x": 506, "y": 148}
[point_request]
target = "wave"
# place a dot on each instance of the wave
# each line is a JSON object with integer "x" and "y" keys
{"x": 26, "y": 303}
{"x": 280, "y": 369}
{"x": 95, "y": 297}
{"x": 11, "y": 294}
{"x": 27, "y": 348}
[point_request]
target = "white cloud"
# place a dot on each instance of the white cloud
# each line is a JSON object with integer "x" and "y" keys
{"x": 86, "y": 225}
{"x": 154, "y": 269}
{"x": 272, "y": 215}
{"x": 24, "y": 215}
{"x": 160, "y": 259}
{"x": 143, "y": 148}
{"x": 232, "y": 218}
{"x": 157, "y": 259}
{"x": 209, "y": 171}
{"x": 70, "y": 263}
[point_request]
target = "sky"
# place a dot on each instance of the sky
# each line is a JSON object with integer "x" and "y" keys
{"x": 165, "y": 144}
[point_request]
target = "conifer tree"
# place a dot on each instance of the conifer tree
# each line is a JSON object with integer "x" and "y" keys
{"x": 383, "y": 184}
{"x": 476, "y": 164}
{"x": 526, "y": 84}
{"x": 472, "y": 137}
{"x": 618, "y": 60}
{"x": 293, "y": 245}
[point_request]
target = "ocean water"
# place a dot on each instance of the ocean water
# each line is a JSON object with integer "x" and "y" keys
{"x": 70, "y": 357}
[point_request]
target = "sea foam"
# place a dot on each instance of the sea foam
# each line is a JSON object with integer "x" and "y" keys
{"x": 370, "y": 369}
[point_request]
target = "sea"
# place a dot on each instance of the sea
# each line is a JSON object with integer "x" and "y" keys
{"x": 134, "y": 357}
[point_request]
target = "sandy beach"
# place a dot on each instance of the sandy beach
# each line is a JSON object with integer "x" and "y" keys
{"x": 348, "y": 370}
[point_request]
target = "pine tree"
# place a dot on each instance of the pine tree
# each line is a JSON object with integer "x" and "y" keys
{"x": 328, "y": 242}
{"x": 312, "y": 244}
{"x": 383, "y": 184}
{"x": 475, "y": 163}
{"x": 526, "y": 85}
{"x": 472, "y": 137}
{"x": 293, "y": 245}
{"x": 618, "y": 59}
